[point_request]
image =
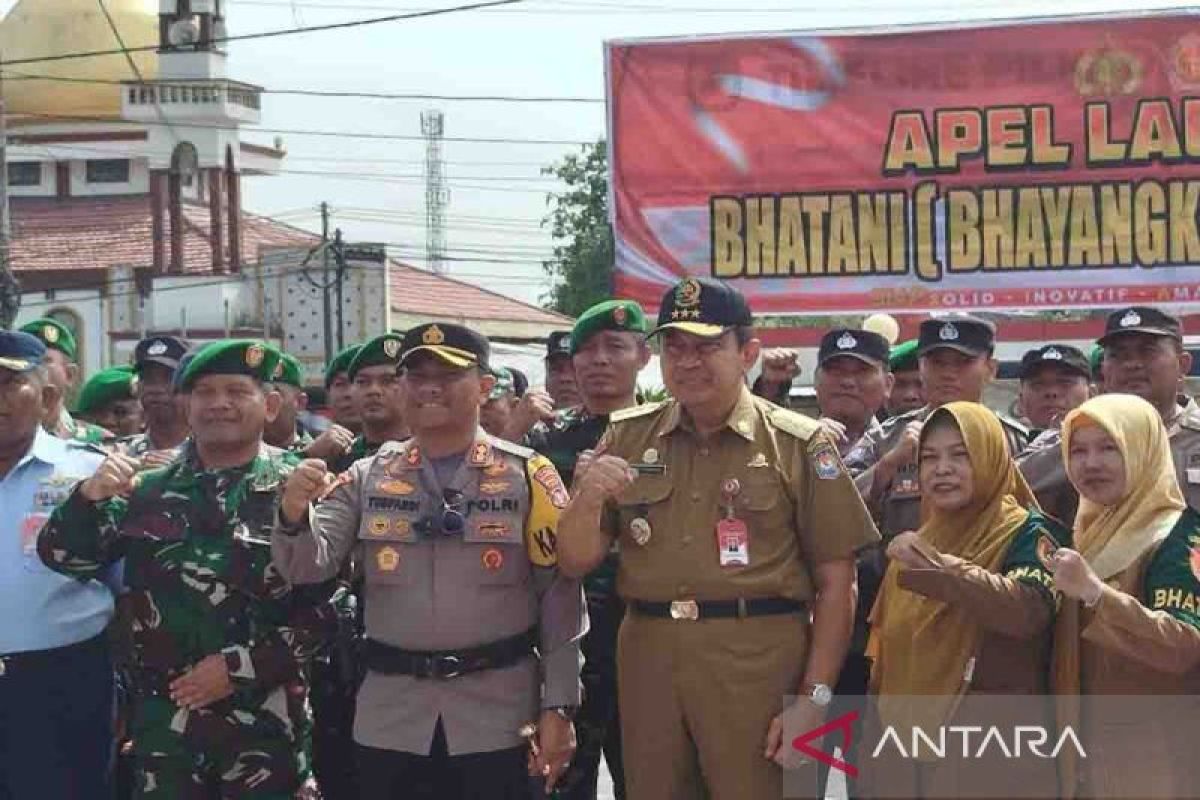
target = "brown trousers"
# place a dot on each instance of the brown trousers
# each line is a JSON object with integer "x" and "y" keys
{"x": 696, "y": 699}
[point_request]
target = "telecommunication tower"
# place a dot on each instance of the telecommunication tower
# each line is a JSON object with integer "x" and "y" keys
{"x": 437, "y": 196}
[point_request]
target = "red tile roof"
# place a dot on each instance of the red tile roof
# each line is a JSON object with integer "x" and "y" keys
{"x": 104, "y": 232}
{"x": 421, "y": 292}
{"x": 62, "y": 236}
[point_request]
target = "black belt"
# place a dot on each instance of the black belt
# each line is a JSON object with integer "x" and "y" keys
{"x": 718, "y": 609}
{"x": 443, "y": 664}
{"x": 36, "y": 659}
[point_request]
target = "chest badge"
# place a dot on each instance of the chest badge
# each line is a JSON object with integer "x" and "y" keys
{"x": 492, "y": 559}
{"x": 388, "y": 559}
{"x": 494, "y": 487}
{"x": 639, "y": 530}
{"x": 379, "y": 525}
{"x": 650, "y": 456}
{"x": 394, "y": 487}
{"x": 759, "y": 460}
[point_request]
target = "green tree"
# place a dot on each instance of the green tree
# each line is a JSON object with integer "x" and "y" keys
{"x": 581, "y": 269}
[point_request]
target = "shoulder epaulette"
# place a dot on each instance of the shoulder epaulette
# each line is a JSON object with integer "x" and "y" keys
{"x": 79, "y": 444}
{"x": 633, "y": 412}
{"x": 1012, "y": 423}
{"x": 797, "y": 425}
{"x": 514, "y": 449}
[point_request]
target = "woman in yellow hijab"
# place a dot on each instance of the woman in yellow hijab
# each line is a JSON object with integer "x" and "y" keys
{"x": 966, "y": 604}
{"x": 1130, "y": 621}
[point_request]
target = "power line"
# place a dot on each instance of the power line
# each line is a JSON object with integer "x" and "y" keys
{"x": 358, "y": 23}
{"x": 331, "y": 93}
{"x": 394, "y": 175}
{"x": 305, "y": 132}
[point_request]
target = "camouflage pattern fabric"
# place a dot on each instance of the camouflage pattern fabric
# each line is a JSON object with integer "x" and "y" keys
{"x": 199, "y": 582}
{"x": 139, "y": 445}
{"x": 300, "y": 443}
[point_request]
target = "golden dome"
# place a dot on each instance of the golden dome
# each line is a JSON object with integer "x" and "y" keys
{"x": 37, "y": 28}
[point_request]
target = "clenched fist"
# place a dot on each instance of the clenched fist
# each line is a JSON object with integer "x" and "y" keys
{"x": 905, "y": 451}
{"x": 604, "y": 477}
{"x": 307, "y": 483}
{"x": 536, "y": 406}
{"x": 1074, "y": 577}
{"x": 331, "y": 445}
{"x": 114, "y": 477}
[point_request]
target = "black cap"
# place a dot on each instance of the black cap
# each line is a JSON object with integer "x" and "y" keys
{"x": 520, "y": 382}
{"x": 863, "y": 345}
{"x": 163, "y": 350}
{"x": 1062, "y": 356}
{"x": 970, "y": 335}
{"x": 456, "y": 345}
{"x": 1142, "y": 319}
{"x": 20, "y": 351}
{"x": 558, "y": 343}
{"x": 702, "y": 307}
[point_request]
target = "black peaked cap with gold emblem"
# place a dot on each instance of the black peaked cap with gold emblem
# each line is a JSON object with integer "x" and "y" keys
{"x": 702, "y": 307}
{"x": 383, "y": 350}
{"x": 248, "y": 357}
{"x": 969, "y": 335}
{"x": 456, "y": 345}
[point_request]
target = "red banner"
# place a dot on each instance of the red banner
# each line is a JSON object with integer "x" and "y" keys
{"x": 1031, "y": 165}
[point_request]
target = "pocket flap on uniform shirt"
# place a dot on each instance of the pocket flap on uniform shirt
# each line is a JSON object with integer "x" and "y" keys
{"x": 646, "y": 490}
{"x": 760, "y": 492}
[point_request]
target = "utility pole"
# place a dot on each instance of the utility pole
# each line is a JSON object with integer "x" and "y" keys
{"x": 339, "y": 255}
{"x": 10, "y": 290}
{"x": 436, "y": 194}
{"x": 328, "y": 312}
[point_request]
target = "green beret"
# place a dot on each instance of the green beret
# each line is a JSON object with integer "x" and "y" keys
{"x": 611, "y": 315}
{"x": 382, "y": 350}
{"x": 106, "y": 386}
{"x": 1096, "y": 360}
{"x": 505, "y": 384}
{"x": 289, "y": 371}
{"x": 903, "y": 357}
{"x": 53, "y": 334}
{"x": 340, "y": 363}
{"x": 249, "y": 357}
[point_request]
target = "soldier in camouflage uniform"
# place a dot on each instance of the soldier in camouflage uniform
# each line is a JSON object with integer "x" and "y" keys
{"x": 377, "y": 395}
{"x": 219, "y": 637}
{"x": 61, "y": 355}
{"x": 284, "y": 431}
{"x": 155, "y": 361}
{"x": 608, "y": 349}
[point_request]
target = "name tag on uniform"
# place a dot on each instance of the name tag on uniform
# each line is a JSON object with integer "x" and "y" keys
{"x": 649, "y": 469}
{"x": 733, "y": 542}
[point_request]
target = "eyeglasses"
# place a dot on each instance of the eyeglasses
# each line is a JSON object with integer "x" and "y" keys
{"x": 450, "y": 521}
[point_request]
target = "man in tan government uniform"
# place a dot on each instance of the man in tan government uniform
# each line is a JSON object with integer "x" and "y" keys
{"x": 1143, "y": 355}
{"x": 738, "y": 527}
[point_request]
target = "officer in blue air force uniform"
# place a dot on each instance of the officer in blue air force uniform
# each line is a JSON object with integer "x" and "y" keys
{"x": 55, "y": 675}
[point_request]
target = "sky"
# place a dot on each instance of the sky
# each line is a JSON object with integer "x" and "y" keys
{"x": 546, "y": 48}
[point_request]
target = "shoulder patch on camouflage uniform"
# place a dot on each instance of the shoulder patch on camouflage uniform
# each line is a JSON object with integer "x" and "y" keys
{"x": 514, "y": 449}
{"x": 645, "y": 409}
{"x": 797, "y": 425}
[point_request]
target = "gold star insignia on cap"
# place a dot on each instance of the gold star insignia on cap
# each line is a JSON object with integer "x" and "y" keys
{"x": 391, "y": 347}
{"x": 50, "y": 333}
{"x": 254, "y": 356}
{"x": 687, "y": 294}
{"x": 433, "y": 335}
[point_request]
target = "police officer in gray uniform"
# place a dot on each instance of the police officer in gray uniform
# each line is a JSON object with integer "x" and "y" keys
{"x": 473, "y": 635}
{"x": 956, "y": 360}
{"x": 1143, "y": 355}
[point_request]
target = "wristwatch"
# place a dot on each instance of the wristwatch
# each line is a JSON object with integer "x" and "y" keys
{"x": 819, "y": 694}
{"x": 566, "y": 712}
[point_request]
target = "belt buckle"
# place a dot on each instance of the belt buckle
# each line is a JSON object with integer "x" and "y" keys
{"x": 445, "y": 667}
{"x": 685, "y": 609}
